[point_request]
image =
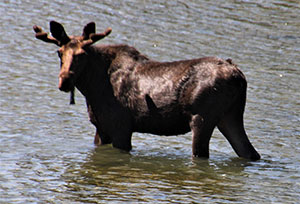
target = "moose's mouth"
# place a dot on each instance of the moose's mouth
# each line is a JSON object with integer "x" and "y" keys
{"x": 66, "y": 84}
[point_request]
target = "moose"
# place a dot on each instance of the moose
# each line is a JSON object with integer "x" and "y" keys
{"x": 128, "y": 92}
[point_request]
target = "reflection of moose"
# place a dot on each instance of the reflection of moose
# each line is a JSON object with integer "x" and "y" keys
{"x": 126, "y": 92}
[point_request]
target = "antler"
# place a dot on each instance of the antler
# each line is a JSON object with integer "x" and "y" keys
{"x": 94, "y": 37}
{"x": 61, "y": 38}
{"x": 41, "y": 35}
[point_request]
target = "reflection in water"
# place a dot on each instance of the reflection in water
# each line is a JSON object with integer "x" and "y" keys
{"x": 110, "y": 175}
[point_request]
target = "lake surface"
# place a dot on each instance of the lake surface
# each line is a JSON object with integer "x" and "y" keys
{"x": 46, "y": 146}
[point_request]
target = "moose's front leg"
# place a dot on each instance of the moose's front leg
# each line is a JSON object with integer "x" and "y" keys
{"x": 201, "y": 132}
{"x": 101, "y": 138}
{"x": 121, "y": 131}
{"x": 122, "y": 140}
{"x": 97, "y": 140}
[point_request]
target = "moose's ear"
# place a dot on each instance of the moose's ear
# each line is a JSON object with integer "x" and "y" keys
{"x": 90, "y": 28}
{"x": 59, "y": 33}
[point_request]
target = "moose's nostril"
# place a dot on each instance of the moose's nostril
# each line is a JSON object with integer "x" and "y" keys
{"x": 66, "y": 75}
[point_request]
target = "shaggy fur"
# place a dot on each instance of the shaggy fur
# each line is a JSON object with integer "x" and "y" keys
{"x": 127, "y": 92}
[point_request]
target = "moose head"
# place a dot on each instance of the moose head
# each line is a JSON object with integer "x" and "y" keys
{"x": 72, "y": 50}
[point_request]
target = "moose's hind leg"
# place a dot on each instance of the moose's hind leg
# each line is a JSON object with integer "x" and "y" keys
{"x": 201, "y": 132}
{"x": 231, "y": 126}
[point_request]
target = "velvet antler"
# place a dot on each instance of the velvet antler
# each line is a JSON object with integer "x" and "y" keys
{"x": 41, "y": 35}
{"x": 94, "y": 37}
{"x": 98, "y": 36}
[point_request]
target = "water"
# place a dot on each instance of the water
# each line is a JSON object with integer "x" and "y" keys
{"x": 46, "y": 146}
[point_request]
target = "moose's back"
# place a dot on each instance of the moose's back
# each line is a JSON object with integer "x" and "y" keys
{"x": 161, "y": 95}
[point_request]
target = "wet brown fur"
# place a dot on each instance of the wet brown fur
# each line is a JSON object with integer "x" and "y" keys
{"x": 127, "y": 92}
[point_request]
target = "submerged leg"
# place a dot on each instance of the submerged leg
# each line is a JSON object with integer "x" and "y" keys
{"x": 122, "y": 140}
{"x": 97, "y": 140}
{"x": 201, "y": 132}
{"x": 232, "y": 127}
{"x": 101, "y": 138}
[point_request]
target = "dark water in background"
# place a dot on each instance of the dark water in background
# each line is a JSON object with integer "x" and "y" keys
{"x": 46, "y": 146}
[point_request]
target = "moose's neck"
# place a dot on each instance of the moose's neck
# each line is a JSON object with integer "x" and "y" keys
{"x": 101, "y": 73}
{"x": 93, "y": 82}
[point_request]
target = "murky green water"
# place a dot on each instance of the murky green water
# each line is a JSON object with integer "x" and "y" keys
{"x": 46, "y": 146}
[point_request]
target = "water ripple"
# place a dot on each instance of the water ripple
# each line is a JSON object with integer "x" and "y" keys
{"x": 46, "y": 150}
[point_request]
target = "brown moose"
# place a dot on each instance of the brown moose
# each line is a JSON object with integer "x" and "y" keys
{"x": 127, "y": 92}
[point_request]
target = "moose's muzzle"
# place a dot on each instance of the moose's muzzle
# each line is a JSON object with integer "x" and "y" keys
{"x": 66, "y": 81}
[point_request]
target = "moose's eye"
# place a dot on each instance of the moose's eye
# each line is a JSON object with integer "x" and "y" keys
{"x": 59, "y": 54}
